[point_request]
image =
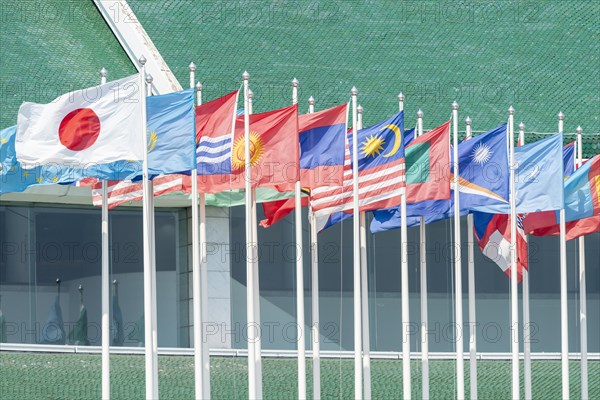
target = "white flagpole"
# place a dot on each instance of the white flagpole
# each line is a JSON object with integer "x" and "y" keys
{"x": 255, "y": 277}
{"x": 299, "y": 276}
{"x": 582, "y": 290}
{"x": 105, "y": 284}
{"x": 358, "y": 387}
{"x": 314, "y": 275}
{"x": 196, "y": 281}
{"x": 424, "y": 316}
{"x": 471, "y": 289}
{"x": 151, "y": 392}
{"x": 460, "y": 377}
{"x": 203, "y": 280}
{"x": 366, "y": 341}
{"x": 526, "y": 319}
{"x": 406, "y": 384}
{"x": 514, "y": 298}
{"x": 252, "y": 387}
{"x": 564, "y": 327}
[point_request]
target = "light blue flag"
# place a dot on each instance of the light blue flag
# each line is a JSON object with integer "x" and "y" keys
{"x": 539, "y": 175}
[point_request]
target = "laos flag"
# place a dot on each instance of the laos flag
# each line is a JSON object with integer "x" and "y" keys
{"x": 322, "y": 141}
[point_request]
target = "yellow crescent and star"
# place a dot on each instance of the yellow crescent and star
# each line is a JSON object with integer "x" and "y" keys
{"x": 238, "y": 152}
{"x": 373, "y": 145}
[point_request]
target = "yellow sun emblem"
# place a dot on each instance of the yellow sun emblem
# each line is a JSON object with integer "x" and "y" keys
{"x": 238, "y": 153}
{"x": 372, "y": 146}
{"x": 152, "y": 141}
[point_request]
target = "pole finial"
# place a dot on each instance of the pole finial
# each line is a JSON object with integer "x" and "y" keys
{"x": 468, "y": 120}
{"x": 142, "y": 60}
{"x": 354, "y": 91}
{"x": 401, "y": 97}
{"x": 359, "y": 109}
{"x": 245, "y": 75}
{"x": 579, "y": 130}
{"x": 103, "y": 72}
{"x": 420, "y": 113}
{"x": 192, "y": 66}
{"x": 522, "y": 126}
{"x": 511, "y": 110}
{"x": 561, "y": 116}
{"x": 455, "y": 105}
{"x": 149, "y": 78}
{"x": 198, "y": 86}
{"x": 311, "y": 101}
{"x": 250, "y": 93}
{"x": 295, "y": 82}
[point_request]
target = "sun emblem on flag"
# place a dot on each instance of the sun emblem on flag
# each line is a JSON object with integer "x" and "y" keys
{"x": 372, "y": 146}
{"x": 152, "y": 141}
{"x": 238, "y": 153}
{"x": 481, "y": 154}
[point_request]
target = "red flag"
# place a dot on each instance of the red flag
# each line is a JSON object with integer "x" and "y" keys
{"x": 574, "y": 229}
{"x": 275, "y": 211}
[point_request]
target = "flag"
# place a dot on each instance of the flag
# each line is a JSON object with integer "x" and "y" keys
{"x": 539, "y": 175}
{"x": 100, "y": 124}
{"x": 237, "y": 197}
{"x": 54, "y": 329}
{"x": 14, "y": 178}
{"x": 380, "y": 168}
{"x": 171, "y": 143}
{"x": 274, "y": 155}
{"x": 322, "y": 144}
{"x": 582, "y": 205}
{"x": 569, "y": 159}
{"x": 79, "y": 333}
{"x": 275, "y": 211}
{"x": 493, "y": 236}
{"x": 483, "y": 182}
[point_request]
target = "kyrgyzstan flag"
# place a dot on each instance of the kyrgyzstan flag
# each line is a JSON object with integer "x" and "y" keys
{"x": 101, "y": 124}
{"x": 274, "y": 154}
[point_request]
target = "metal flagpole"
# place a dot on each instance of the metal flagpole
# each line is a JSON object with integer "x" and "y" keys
{"x": 460, "y": 377}
{"x": 198, "y": 375}
{"x": 406, "y": 384}
{"x": 358, "y": 392}
{"x": 423, "y": 278}
{"x": 299, "y": 276}
{"x": 564, "y": 327}
{"x": 203, "y": 280}
{"x": 366, "y": 341}
{"x": 471, "y": 289}
{"x": 514, "y": 299}
{"x": 526, "y": 319}
{"x": 151, "y": 392}
{"x": 255, "y": 277}
{"x": 582, "y": 290}
{"x": 105, "y": 283}
{"x": 251, "y": 325}
{"x": 314, "y": 275}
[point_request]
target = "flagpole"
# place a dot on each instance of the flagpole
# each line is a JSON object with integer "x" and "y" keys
{"x": 471, "y": 289}
{"x": 526, "y": 319}
{"x": 460, "y": 377}
{"x": 314, "y": 275}
{"x": 582, "y": 290}
{"x": 151, "y": 392}
{"x": 358, "y": 389}
{"x": 406, "y": 384}
{"x": 105, "y": 283}
{"x": 564, "y": 327}
{"x": 203, "y": 280}
{"x": 196, "y": 295}
{"x": 153, "y": 259}
{"x": 255, "y": 276}
{"x": 514, "y": 299}
{"x": 424, "y": 316}
{"x": 299, "y": 276}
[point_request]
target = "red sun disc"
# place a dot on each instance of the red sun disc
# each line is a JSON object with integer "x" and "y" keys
{"x": 79, "y": 129}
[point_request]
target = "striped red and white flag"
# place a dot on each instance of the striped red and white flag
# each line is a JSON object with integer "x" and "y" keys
{"x": 121, "y": 192}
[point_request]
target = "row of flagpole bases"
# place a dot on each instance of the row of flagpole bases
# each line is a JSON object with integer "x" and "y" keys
{"x": 361, "y": 324}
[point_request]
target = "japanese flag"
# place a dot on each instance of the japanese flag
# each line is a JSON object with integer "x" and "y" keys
{"x": 97, "y": 125}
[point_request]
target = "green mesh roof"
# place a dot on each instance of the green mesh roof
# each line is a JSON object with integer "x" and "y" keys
{"x": 51, "y": 47}
{"x": 540, "y": 56}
